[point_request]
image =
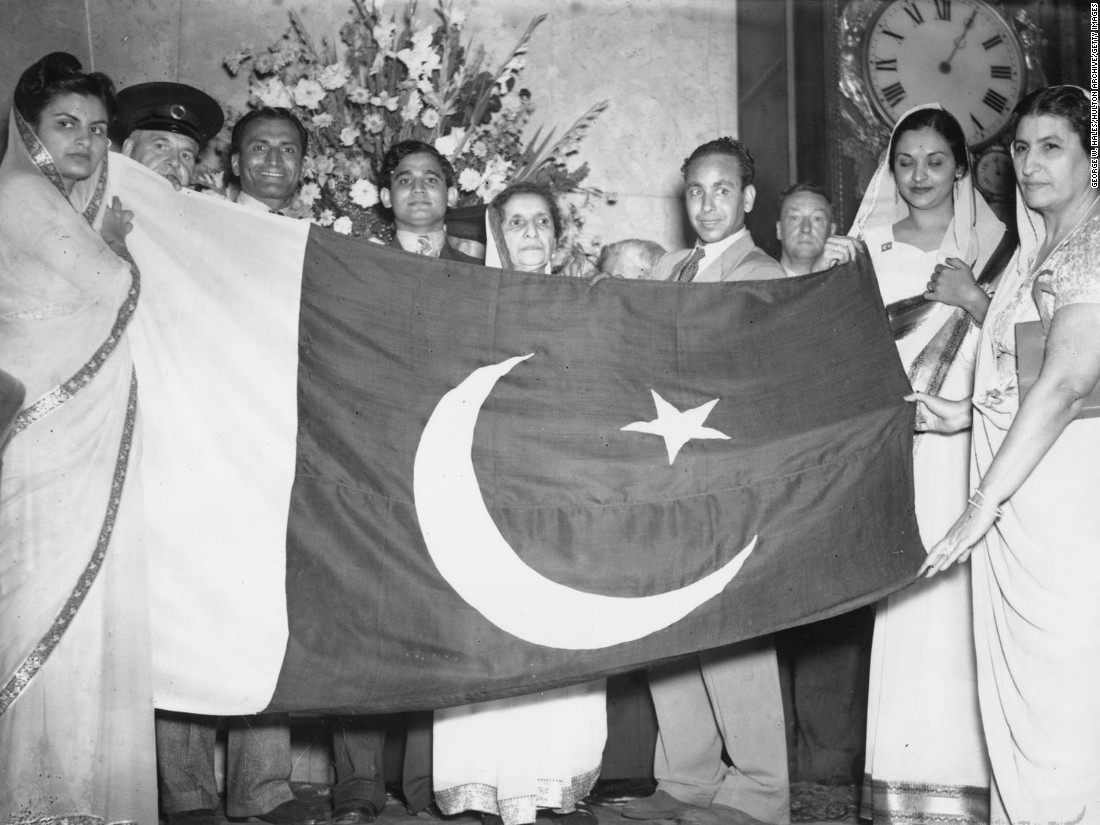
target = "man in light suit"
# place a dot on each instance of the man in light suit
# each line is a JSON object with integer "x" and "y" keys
{"x": 718, "y": 192}
{"x": 726, "y": 699}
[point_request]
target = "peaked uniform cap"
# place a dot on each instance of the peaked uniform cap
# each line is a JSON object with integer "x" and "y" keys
{"x": 169, "y": 107}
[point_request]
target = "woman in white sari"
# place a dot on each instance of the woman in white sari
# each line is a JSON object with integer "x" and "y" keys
{"x": 1033, "y": 520}
{"x": 76, "y": 733}
{"x": 930, "y": 236}
{"x": 508, "y": 758}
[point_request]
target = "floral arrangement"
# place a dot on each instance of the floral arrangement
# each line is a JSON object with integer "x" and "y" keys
{"x": 396, "y": 81}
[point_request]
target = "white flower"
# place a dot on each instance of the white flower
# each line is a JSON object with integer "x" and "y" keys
{"x": 326, "y": 217}
{"x": 272, "y": 92}
{"x": 364, "y": 193}
{"x": 386, "y": 101}
{"x": 412, "y": 106}
{"x": 308, "y": 93}
{"x": 323, "y": 120}
{"x": 511, "y": 103}
{"x": 233, "y": 61}
{"x": 496, "y": 178}
{"x": 448, "y": 143}
{"x": 309, "y": 193}
{"x": 343, "y": 225}
{"x": 478, "y": 149}
{"x": 348, "y": 135}
{"x": 383, "y": 35}
{"x": 430, "y": 118}
{"x": 357, "y": 94}
{"x": 375, "y": 124}
{"x": 334, "y": 76}
{"x": 469, "y": 180}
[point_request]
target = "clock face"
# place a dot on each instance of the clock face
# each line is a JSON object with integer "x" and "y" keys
{"x": 960, "y": 54}
{"x": 995, "y": 175}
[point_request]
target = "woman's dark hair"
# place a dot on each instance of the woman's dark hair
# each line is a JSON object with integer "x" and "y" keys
{"x": 943, "y": 124}
{"x": 56, "y": 74}
{"x": 526, "y": 187}
{"x": 1069, "y": 102}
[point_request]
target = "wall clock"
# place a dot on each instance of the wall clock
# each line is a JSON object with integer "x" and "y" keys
{"x": 974, "y": 57}
{"x": 962, "y": 54}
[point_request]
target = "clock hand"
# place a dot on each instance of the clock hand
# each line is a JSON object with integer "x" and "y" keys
{"x": 960, "y": 41}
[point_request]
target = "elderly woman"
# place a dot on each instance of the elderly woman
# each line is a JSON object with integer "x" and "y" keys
{"x": 76, "y": 735}
{"x": 1033, "y": 520}
{"x": 930, "y": 235}
{"x": 510, "y": 757}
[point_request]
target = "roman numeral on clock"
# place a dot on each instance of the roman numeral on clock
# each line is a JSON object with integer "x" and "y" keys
{"x": 887, "y": 65}
{"x": 914, "y": 13}
{"x": 894, "y": 35}
{"x": 894, "y": 93}
{"x": 993, "y": 41}
{"x": 943, "y": 9}
{"x": 978, "y": 124}
{"x": 1001, "y": 72}
{"x": 996, "y": 102}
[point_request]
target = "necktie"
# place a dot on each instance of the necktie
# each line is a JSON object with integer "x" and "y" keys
{"x": 691, "y": 267}
{"x": 423, "y": 245}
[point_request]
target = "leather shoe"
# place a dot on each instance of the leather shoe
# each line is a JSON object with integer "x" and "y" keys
{"x": 719, "y": 815}
{"x": 581, "y": 815}
{"x": 357, "y": 815}
{"x": 661, "y": 805}
{"x": 429, "y": 811}
{"x": 293, "y": 812}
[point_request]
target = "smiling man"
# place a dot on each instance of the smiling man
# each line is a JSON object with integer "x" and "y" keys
{"x": 718, "y": 192}
{"x": 164, "y": 126}
{"x": 268, "y": 146}
{"x": 724, "y": 702}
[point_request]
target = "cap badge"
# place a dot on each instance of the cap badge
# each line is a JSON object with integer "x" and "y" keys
{"x": 177, "y": 112}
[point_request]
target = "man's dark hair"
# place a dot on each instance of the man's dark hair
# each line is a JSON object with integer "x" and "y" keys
{"x": 401, "y": 150}
{"x": 267, "y": 113}
{"x": 802, "y": 186}
{"x": 725, "y": 146}
{"x": 57, "y": 74}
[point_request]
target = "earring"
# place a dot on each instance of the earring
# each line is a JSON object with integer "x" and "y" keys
{"x": 109, "y": 143}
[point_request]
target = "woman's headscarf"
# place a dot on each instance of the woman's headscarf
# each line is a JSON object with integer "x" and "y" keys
{"x": 973, "y": 236}
{"x": 496, "y": 250}
{"x": 54, "y": 266}
{"x": 974, "y": 232}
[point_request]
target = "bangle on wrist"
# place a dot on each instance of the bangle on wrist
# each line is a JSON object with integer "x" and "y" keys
{"x": 979, "y": 501}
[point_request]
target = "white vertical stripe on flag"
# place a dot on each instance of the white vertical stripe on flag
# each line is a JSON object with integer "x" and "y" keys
{"x": 215, "y": 344}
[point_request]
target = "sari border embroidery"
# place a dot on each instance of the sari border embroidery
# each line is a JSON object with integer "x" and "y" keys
{"x": 62, "y": 393}
{"x": 923, "y": 803}
{"x": 39, "y": 155}
{"x": 41, "y": 652}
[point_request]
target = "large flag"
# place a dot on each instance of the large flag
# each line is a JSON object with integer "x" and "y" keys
{"x": 377, "y": 481}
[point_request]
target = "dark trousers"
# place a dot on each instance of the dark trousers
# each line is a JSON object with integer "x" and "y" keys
{"x": 358, "y": 743}
{"x": 823, "y": 672}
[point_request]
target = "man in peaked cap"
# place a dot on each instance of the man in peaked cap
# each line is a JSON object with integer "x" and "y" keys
{"x": 164, "y": 125}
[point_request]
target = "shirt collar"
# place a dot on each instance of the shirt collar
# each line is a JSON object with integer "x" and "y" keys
{"x": 410, "y": 241}
{"x": 713, "y": 251}
{"x": 244, "y": 199}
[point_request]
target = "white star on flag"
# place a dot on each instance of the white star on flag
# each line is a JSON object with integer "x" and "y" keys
{"x": 675, "y": 427}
